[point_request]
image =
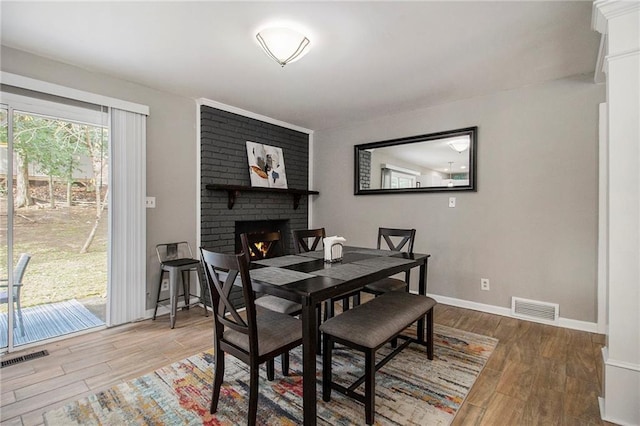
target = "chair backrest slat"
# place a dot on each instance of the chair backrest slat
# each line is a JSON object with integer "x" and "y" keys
{"x": 261, "y": 245}
{"x": 407, "y": 239}
{"x": 302, "y": 236}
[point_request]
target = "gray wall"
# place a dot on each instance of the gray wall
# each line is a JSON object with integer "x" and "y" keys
{"x": 171, "y": 147}
{"x": 531, "y": 227}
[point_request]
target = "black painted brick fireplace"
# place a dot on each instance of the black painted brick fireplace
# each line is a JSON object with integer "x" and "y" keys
{"x": 224, "y": 161}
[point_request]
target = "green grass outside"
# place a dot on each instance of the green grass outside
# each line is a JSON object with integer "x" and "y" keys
{"x": 57, "y": 271}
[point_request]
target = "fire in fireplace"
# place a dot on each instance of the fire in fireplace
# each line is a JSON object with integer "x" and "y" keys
{"x": 247, "y": 226}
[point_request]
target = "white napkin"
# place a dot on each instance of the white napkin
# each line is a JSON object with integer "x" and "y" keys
{"x": 333, "y": 247}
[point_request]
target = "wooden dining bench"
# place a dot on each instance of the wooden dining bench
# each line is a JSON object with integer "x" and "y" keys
{"x": 367, "y": 328}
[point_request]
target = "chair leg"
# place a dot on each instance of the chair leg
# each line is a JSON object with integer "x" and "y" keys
{"x": 318, "y": 333}
{"x": 217, "y": 380}
{"x": 328, "y": 310}
{"x": 271, "y": 369}
{"x": 19, "y": 311}
{"x": 327, "y": 345}
{"x": 155, "y": 311}
{"x": 204, "y": 290}
{"x": 430, "y": 334}
{"x": 345, "y": 304}
{"x": 370, "y": 385}
{"x": 253, "y": 395}
{"x": 285, "y": 363}
{"x": 186, "y": 286}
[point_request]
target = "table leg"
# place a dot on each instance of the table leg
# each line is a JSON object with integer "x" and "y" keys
{"x": 309, "y": 330}
{"x": 422, "y": 289}
{"x": 173, "y": 295}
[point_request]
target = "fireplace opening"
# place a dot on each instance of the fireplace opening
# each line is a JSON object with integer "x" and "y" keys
{"x": 247, "y": 226}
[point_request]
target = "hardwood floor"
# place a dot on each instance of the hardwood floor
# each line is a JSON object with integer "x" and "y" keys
{"x": 538, "y": 374}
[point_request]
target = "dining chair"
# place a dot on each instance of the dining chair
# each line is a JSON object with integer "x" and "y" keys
{"x": 266, "y": 245}
{"x": 396, "y": 240}
{"x": 306, "y": 240}
{"x": 18, "y": 275}
{"x": 255, "y": 337}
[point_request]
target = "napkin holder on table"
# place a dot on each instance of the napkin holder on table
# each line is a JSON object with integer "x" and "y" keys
{"x": 333, "y": 249}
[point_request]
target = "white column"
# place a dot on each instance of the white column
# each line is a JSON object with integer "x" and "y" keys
{"x": 619, "y": 22}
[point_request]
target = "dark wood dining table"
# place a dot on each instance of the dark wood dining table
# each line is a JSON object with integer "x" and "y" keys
{"x": 307, "y": 279}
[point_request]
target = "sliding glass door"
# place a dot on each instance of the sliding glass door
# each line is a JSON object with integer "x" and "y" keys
{"x": 6, "y": 314}
{"x": 54, "y": 171}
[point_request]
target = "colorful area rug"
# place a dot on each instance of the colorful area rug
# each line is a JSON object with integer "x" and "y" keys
{"x": 410, "y": 389}
{"x": 48, "y": 321}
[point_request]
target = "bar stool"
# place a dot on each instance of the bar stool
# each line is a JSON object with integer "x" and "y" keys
{"x": 177, "y": 259}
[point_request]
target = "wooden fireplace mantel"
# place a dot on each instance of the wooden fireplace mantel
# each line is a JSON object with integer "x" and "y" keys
{"x": 233, "y": 192}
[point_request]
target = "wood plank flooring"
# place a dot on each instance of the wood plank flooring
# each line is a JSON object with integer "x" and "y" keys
{"x": 538, "y": 374}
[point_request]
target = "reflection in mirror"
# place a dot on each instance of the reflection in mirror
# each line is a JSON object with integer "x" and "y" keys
{"x": 443, "y": 161}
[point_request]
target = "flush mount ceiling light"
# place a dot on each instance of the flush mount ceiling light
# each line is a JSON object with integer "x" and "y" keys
{"x": 459, "y": 145}
{"x": 283, "y": 45}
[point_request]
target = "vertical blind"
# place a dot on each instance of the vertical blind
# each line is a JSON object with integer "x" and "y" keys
{"x": 127, "y": 255}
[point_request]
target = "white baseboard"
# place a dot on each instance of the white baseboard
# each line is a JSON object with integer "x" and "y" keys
{"x": 163, "y": 309}
{"x": 590, "y": 327}
{"x": 460, "y": 303}
{"x": 620, "y": 403}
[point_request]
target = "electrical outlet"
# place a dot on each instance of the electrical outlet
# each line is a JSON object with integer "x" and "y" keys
{"x": 452, "y": 202}
{"x": 151, "y": 202}
{"x": 484, "y": 284}
{"x": 165, "y": 285}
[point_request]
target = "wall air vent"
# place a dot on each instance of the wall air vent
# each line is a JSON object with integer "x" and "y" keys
{"x": 535, "y": 310}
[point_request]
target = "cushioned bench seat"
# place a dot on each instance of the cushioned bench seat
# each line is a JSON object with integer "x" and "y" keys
{"x": 368, "y": 327}
{"x": 374, "y": 323}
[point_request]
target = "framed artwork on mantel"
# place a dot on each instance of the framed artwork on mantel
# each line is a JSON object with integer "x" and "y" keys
{"x": 266, "y": 166}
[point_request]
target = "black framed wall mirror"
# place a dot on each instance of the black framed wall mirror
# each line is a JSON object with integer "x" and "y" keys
{"x": 443, "y": 161}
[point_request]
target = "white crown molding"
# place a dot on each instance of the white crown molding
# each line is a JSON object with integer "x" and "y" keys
{"x": 603, "y": 10}
{"x": 245, "y": 113}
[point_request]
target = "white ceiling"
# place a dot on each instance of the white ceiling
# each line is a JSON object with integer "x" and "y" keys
{"x": 367, "y": 59}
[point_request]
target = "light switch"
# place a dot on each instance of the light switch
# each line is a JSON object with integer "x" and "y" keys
{"x": 452, "y": 202}
{"x": 151, "y": 202}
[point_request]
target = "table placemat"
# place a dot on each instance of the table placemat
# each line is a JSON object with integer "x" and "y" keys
{"x": 281, "y": 261}
{"x": 318, "y": 254}
{"x": 346, "y": 272}
{"x": 383, "y": 261}
{"x": 372, "y": 251}
{"x": 278, "y": 276}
